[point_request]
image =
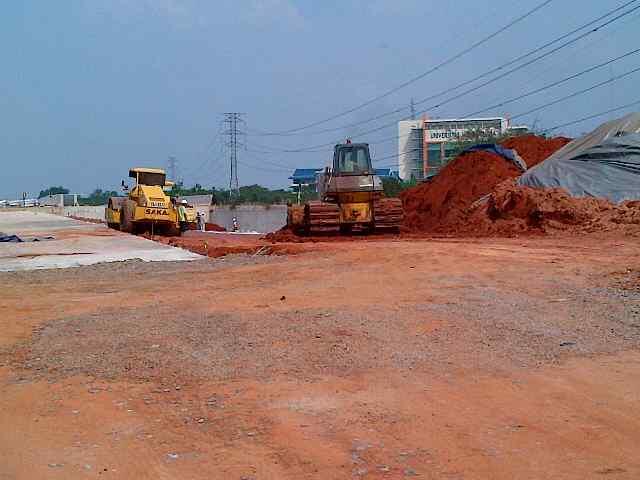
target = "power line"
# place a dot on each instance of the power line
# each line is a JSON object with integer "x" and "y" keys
{"x": 395, "y": 155}
{"x": 580, "y": 92}
{"x": 422, "y": 75}
{"x": 494, "y": 79}
{"x": 478, "y": 87}
{"x": 563, "y": 62}
{"x": 207, "y": 159}
{"x": 264, "y": 169}
{"x": 274, "y": 164}
{"x": 538, "y": 90}
{"x": 491, "y": 71}
{"x": 556, "y": 83}
{"x": 546, "y": 87}
{"x": 595, "y": 115}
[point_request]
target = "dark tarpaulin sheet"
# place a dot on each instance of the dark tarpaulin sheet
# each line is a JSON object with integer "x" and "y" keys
{"x": 9, "y": 238}
{"x": 499, "y": 150}
{"x": 604, "y": 163}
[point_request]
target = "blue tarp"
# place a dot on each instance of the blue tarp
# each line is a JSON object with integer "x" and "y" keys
{"x": 506, "y": 153}
{"x": 9, "y": 238}
{"x": 384, "y": 172}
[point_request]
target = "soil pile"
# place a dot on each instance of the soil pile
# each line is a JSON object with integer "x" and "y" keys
{"x": 213, "y": 227}
{"x": 283, "y": 235}
{"x": 534, "y": 149}
{"x": 512, "y": 209}
{"x": 440, "y": 206}
{"x": 444, "y": 205}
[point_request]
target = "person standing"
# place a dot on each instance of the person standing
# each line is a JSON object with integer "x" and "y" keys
{"x": 182, "y": 216}
{"x": 200, "y": 221}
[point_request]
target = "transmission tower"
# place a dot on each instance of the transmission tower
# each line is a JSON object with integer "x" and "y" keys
{"x": 232, "y": 123}
{"x": 173, "y": 167}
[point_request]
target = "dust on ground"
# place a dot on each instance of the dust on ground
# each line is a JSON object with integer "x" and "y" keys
{"x": 478, "y": 358}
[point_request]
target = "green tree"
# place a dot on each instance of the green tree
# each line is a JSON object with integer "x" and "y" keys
{"x": 393, "y": 186}
{"x": 53, "y": 191}
{"x": 97, "y": 197}
{"x": 245, "y": 194}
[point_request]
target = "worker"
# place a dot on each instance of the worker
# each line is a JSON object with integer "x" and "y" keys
{"x": 235, "y": 227}
{"x": 200, "y": 221}
{"x": 182, "y": 216}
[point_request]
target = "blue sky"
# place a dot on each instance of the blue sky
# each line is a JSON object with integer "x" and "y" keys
{"x": 91, "y": 87}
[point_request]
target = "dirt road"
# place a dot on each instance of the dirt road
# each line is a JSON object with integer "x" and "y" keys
{"x": 385, "y": 359}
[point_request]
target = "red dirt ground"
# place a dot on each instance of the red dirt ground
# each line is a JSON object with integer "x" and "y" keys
{"x": 216, "y": 245}
{"x": 474, "y": 359}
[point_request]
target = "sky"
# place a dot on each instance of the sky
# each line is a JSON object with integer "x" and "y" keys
{"x": 89, "y": 88}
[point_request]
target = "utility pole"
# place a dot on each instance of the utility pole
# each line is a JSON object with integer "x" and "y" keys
{"x": 412, "y": 106}
{"x": 232, "y": 121}
{"x": 173, "y": 167}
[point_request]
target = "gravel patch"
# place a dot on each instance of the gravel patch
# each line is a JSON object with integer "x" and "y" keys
{"x": 482, "y": 327}
{"x": 139, "y": 267}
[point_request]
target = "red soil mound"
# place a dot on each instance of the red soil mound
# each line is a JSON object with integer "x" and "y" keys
{"x": 534, "y": 149}
{"x": 441, "y": 205}
{"x": 283, "y": 235}
{"x": 213, "y": 227}
{"x": 513, "y": 209}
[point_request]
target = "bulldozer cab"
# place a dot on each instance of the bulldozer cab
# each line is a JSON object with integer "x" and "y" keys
{"x": 352, "y": 159}
{"x": 149, "y": 176}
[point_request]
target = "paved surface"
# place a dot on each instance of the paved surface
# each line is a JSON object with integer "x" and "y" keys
{"x": 28, "y": 223}
{"x": 75, "y": 243}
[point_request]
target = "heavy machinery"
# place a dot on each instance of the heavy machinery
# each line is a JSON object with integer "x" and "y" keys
{"x": 350, "y": 197}
{"x": 146, "y": 207}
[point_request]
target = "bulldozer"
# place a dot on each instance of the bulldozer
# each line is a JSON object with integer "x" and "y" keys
{"x": 350, "y": 197}
{"x": 146, "y": 208}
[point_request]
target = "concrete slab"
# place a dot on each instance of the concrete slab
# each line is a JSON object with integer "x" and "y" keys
{"x": 76, "y": 243}
{"x": 32, "y": 222}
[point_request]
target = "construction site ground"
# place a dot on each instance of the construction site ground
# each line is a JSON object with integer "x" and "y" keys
{"x": 379, "y": 359}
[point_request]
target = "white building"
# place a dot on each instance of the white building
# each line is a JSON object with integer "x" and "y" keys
{"x": 431, "y": 140}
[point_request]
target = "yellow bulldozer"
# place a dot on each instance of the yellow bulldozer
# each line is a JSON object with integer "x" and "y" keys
{"x": 146, "y": 208}
{"x": 351, "y": 197}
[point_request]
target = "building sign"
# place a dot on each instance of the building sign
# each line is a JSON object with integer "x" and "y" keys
{"x": 452, "y": 130}
{"x": 453, "y": 135}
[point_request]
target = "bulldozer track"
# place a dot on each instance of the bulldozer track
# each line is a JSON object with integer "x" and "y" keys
{"x": 388, "y": 213}
{"x": 322, "y": 217}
